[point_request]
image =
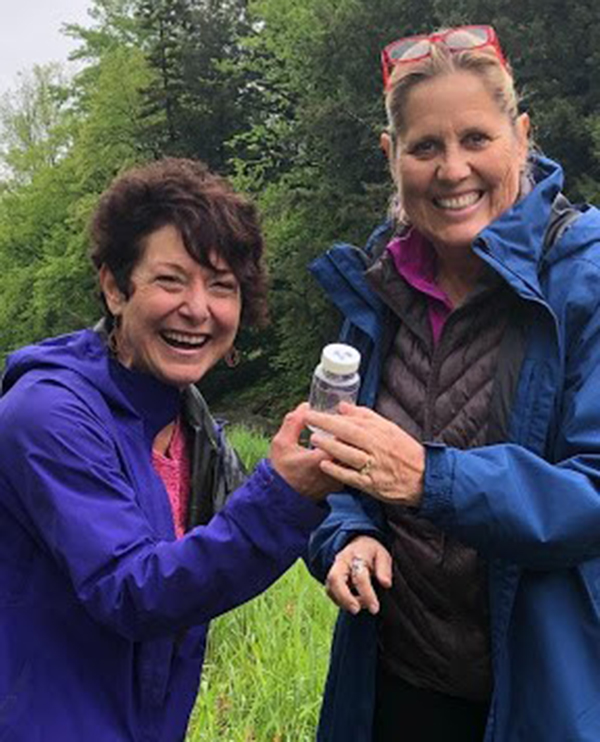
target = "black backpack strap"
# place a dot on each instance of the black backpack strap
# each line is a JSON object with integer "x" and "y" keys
{"x": 562, "y": 216}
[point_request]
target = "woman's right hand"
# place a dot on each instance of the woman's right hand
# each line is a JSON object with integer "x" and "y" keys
{"x": 350, "y": 580}
{"x": 298, "y": 465}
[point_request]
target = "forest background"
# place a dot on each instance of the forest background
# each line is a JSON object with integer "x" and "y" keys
{"x": 284, "y": 97}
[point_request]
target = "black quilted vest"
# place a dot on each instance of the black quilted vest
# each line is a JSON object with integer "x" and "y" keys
{"x": 433, "y": 624}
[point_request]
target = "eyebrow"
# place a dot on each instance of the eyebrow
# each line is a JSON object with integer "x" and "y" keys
{"x": 162, "y": 265}
{"x": 220, "y": 271}
{"x": 166, "y": 265}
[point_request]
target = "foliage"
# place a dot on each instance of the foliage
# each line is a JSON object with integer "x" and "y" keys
{"x": 193, "y": 46}
{"x": 46, "y": 204}
{"x": 250, "y": 444}
{"x": 284, "y": 96}
{"x": 32, "y": 135}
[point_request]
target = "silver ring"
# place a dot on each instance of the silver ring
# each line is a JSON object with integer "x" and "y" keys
{"x": 357, "y": 565}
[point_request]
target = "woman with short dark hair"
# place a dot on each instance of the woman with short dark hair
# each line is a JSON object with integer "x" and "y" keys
{"x": 204, "y": 208}
{"x": 116, "y": 549}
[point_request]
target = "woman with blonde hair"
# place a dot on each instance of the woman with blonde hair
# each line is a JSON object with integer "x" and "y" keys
{"x": 469, "y": 592}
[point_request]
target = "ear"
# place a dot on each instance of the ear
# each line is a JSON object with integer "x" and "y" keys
{"x": 387, "y": 145}
{"x": 523, "y": 128}
{"x": 113, "y": 296}
{"x": 385, "y": 142}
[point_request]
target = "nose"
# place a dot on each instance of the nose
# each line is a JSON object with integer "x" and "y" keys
{"x": 454, "y": 165}
{"x": 195, "y": 305}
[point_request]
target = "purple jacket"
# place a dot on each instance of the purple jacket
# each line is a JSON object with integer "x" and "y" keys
{"x": 103, "y": 615}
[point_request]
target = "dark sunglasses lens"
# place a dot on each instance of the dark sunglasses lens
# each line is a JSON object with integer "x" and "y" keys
{"x": 407, "y": 49}
{"x": 464, "y": 38}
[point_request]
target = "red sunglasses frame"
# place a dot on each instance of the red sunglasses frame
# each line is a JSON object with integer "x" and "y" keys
{"x": 388, "y": 62}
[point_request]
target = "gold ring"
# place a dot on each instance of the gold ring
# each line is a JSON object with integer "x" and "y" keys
{"x": 365, "y": 469}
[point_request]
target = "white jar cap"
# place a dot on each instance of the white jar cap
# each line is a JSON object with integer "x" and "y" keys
{"x": 338, "y": 358}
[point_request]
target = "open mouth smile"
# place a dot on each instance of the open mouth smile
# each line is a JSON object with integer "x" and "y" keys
{"x": 184, "y": 340}
{"x": 456, "y": 203}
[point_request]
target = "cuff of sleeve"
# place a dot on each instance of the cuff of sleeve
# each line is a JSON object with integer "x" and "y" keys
{"x": 298, "y": 509}
{"x": 437, "y": 503}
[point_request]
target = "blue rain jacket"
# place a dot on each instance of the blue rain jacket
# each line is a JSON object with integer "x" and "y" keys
{"x": 103, "y": 614}
{"x": 531, "y": 506}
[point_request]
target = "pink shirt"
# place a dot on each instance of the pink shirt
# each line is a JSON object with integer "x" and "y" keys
{"x": 173, "y": 468}
{"x": 416, "y": 261}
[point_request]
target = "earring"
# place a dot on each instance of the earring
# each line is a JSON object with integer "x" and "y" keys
{"x": 112, "y": 339}
{"x": 233, "y": 357}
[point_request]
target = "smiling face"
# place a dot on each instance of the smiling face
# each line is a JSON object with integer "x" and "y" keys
{"x": 180, "y": 317}
{"x": 458, "y": 159}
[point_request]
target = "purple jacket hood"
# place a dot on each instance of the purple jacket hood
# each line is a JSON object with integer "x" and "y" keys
{"x": 83, "y": 355}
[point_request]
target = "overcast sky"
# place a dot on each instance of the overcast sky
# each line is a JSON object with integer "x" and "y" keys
{"x": 30, "y": 34}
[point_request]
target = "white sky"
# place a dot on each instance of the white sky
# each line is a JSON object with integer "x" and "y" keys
{"x": 30, "y": 34}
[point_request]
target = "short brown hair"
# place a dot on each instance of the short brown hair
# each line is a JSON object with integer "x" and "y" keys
{"x": 208, "y": 213}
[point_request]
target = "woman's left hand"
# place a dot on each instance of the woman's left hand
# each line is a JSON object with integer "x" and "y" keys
{"x": 370, "y": 453}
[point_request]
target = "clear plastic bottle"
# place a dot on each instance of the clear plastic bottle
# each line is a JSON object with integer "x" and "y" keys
{"x": 336, "y": 378}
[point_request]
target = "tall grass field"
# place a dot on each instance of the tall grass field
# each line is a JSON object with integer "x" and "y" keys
{"x": 266, "y": 661}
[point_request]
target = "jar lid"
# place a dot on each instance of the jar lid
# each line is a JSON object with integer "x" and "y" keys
{"x": 338, "y": 358}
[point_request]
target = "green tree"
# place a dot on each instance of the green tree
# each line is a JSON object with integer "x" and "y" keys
{"x": 287, "y": 97}
{"x": 49, "y": 286}
{"x": 166, "y": 25}
{"x": 195, "y": 103}
{"x": 110, "y": 133}
{"x": 31, "y": 134}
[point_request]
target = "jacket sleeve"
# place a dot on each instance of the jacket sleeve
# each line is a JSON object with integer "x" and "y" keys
{"x": 513, "y": 504}
{"x": 61, "y": 478}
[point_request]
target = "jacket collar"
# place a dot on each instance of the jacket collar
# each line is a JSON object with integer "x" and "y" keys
{"x": 514, "y": 244}
{"x": 155, "y": 403}
{"x": 340, "y": 272}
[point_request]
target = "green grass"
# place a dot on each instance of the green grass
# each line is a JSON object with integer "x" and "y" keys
{"x": 250, "y": 444}
{"x": 266, "y": 661}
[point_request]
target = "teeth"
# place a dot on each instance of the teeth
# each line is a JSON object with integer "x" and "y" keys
{"x": 184, "y": 338}
{"x": 458, "y": 202}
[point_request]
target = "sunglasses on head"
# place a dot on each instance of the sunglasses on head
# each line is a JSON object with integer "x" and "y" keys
{"x": 414, "y": 48}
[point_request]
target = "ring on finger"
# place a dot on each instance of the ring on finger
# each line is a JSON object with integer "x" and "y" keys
{"x": 365, "y": 469}
{"x": 357, "y": 565}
